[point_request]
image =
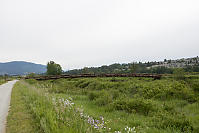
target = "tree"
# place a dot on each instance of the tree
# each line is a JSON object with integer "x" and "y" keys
{"x": 53, "y": 68}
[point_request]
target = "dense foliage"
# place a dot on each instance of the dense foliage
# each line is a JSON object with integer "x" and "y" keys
{"x": 53, "y": 68}
{"x": 141, "y": 104}
{"x": 131, "y": 68}
{"x": 2, "y": 80}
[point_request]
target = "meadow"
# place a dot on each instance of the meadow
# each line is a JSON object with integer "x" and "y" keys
{"x": 2, "y": 80}
{"x": 115, "y": 105}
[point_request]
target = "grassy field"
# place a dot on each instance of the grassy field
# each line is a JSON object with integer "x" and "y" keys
{"x": 20, "y": 118}
{"x": 115, "y": 105}
{"x": 2, "y": 80}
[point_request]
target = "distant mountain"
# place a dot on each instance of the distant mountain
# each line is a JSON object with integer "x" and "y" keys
{"x": 21, "y": 68}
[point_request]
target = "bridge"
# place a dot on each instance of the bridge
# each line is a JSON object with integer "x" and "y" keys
{"x": 50, "y": 77}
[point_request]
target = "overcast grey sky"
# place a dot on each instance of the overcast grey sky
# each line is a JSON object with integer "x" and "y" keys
{"x": 78, "y": 33}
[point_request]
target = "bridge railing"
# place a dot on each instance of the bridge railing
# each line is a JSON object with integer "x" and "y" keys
{"x": 155, "y": 76}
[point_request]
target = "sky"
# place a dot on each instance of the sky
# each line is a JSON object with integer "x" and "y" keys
{"x": 85, "y": 33}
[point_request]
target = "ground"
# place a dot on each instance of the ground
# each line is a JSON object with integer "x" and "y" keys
{"x": 109, "y": 105}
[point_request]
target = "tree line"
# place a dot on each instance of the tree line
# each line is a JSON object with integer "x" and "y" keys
{"x": 56, "y": 69}
{"x": 131, "y": 68}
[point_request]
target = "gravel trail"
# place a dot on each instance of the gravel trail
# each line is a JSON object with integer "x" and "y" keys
{"x": 5, "y": 95}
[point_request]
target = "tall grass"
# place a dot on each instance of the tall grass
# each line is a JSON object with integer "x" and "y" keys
{"x": 20, "y": 118}
{"x": 53, "y": 115}
{"x": 2, "y": 80}
{"x": 142, "y": 104}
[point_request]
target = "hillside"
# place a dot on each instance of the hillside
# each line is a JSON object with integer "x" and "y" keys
{"x": 179, "y": 63}
{"x": 21, "y": 68}
{"x": 159, "y": 67}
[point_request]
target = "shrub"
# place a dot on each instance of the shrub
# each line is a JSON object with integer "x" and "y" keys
{"x": 93, "y": 85}
{"x": 181, "y": 91}
{"x": 121, "y": 104}
{"x": 195, "y": 85}
{"x": 104, "y": 98}
{"x": 84, "y": 84}
{"x": 78, "y": 82}
{"x": 93, "y": 95}
{"x": 162, "y": 91}
{"x": 179, "y": 74}
{"x": 168, "y": 108}
{"x": 115, "y": 94}
{"x": 150, "y": 91}
{"x": 101, "y": 86}
{"x": 166, "y": 120}
{"x": 140, "y": 106}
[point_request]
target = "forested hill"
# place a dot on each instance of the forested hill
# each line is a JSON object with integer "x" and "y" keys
{"x": 158, "y": 67}
{"x": 21, "y": 68}
{"x": 121, "y": 68}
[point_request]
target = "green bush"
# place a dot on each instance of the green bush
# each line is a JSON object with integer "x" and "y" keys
{"x": 179, "y": 74}
{"x": 168, "y": 108}
{"x": 121, "y": 104}
{"x": 93, "y": 96}
{"x": 84, "y": 84}
{"x": 101, "y": 86}
{"x": 140, "y": 106}
{"x": 163, "y": 91}
{"x": 115, "y": 94}
{"x": 93, "y": 85}
{"x": 165, "y": 120}
{"x": 104, "y": 98}
{"x": 195, "y": 85}
{"x": 78, "y": 82}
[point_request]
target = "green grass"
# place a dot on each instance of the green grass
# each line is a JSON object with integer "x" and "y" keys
{"x": 143, "y": 104}
{"x": 34, "y": 110}
{"x": 2, "y": 81}
{"x": 20, "y": 119}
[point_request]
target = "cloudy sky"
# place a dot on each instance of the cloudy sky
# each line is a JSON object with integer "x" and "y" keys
{"x": 78, "y": 33}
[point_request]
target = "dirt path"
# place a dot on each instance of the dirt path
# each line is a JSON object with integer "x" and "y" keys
{"x": 5, "y": 94}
